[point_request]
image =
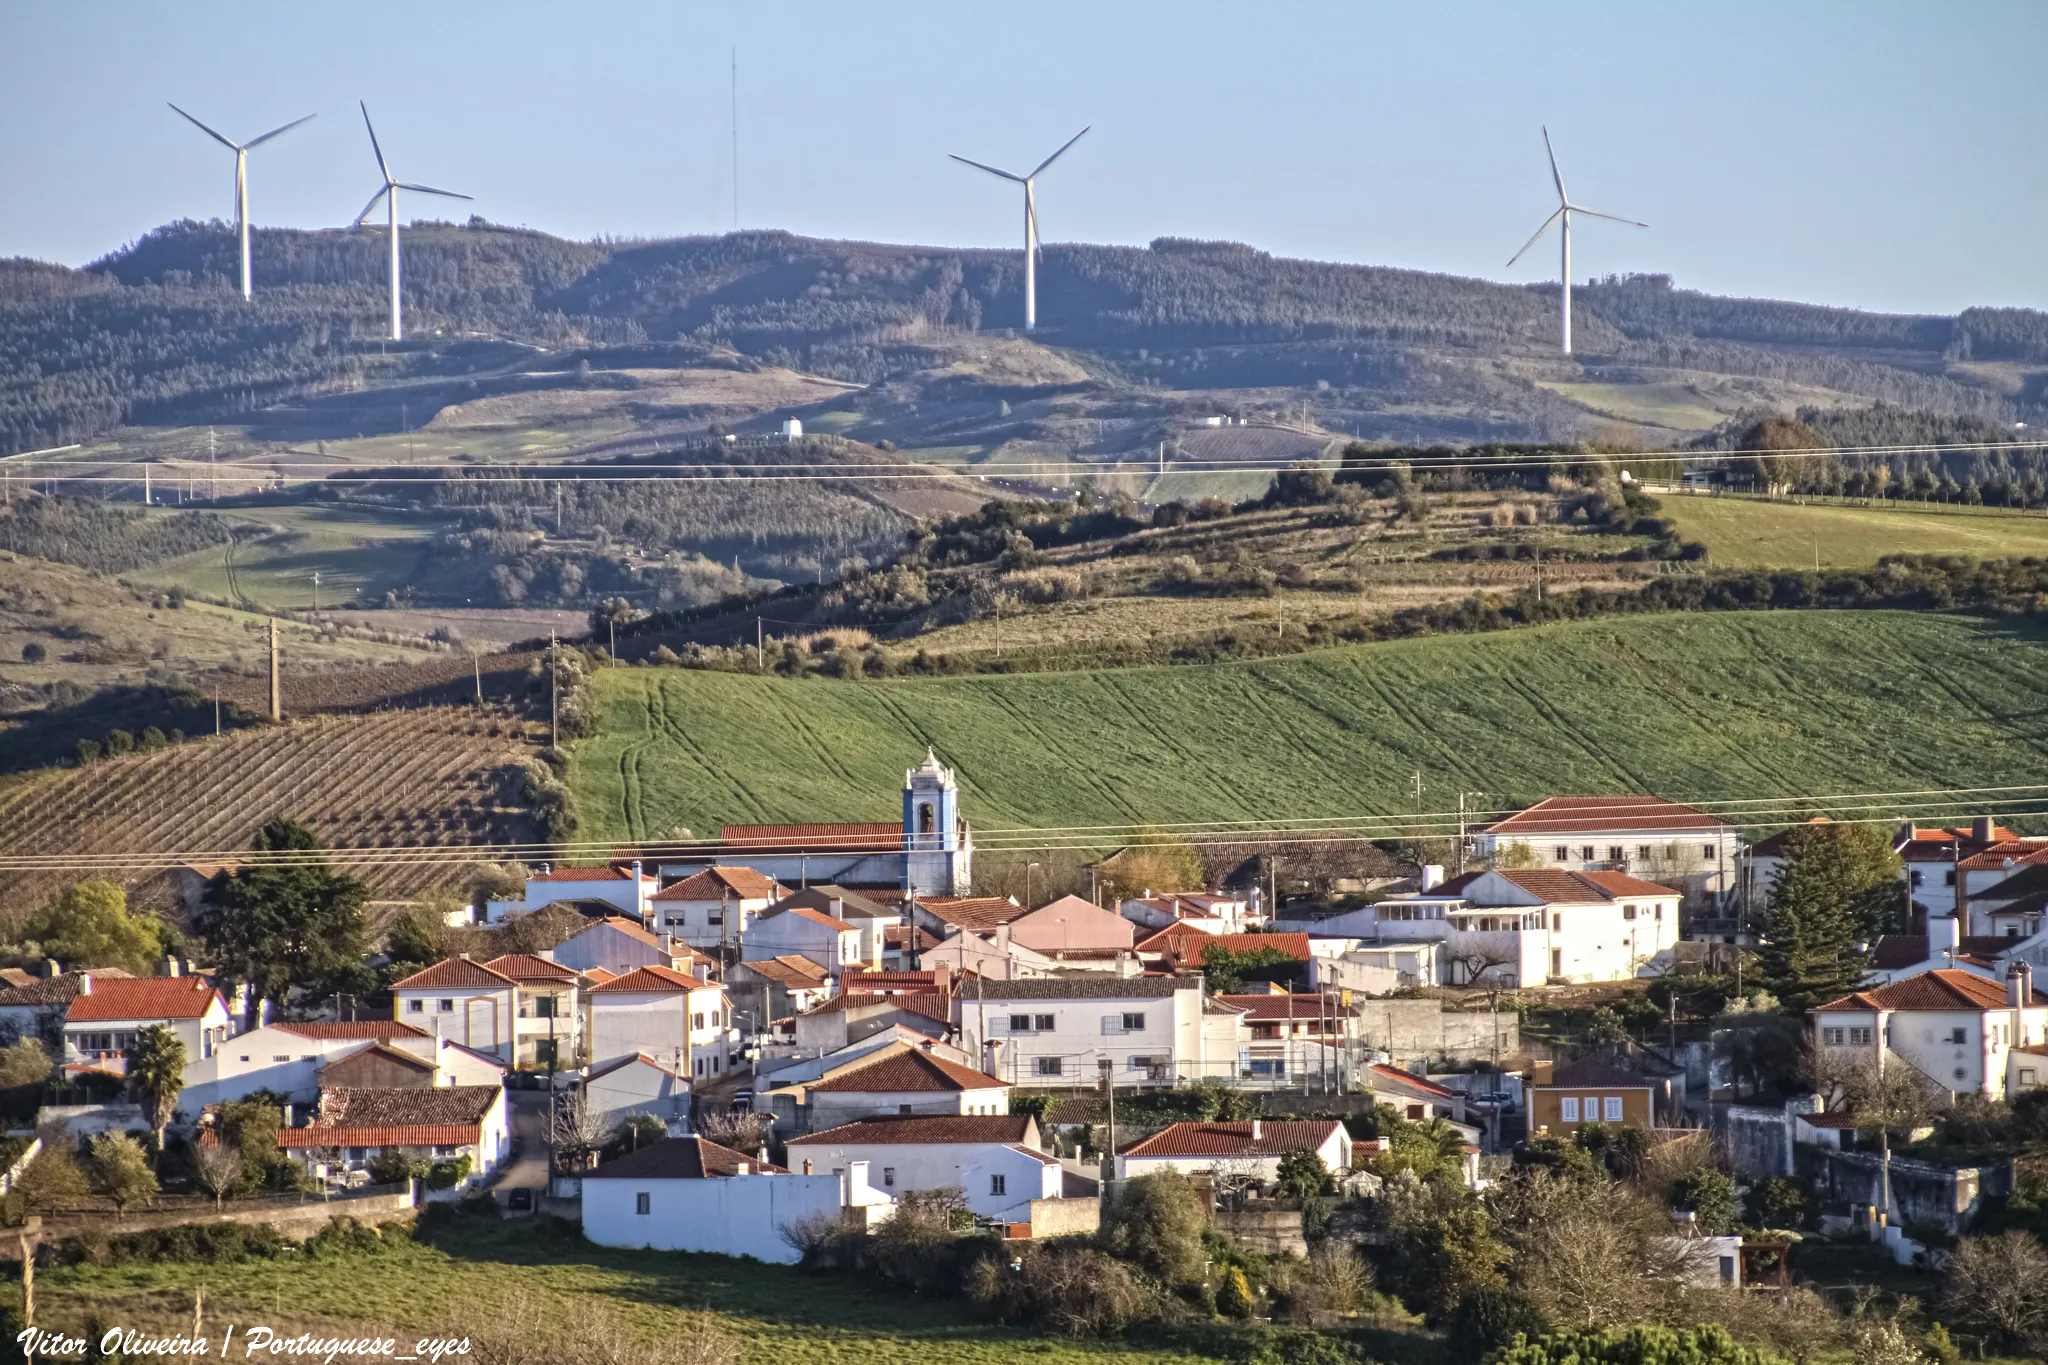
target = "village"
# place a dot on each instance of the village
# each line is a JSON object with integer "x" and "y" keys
{"x": 771, "y": 1046}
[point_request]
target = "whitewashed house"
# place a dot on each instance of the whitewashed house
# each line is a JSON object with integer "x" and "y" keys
{"x": 714, "y": 908}
{"x": 34, "y": 1008}
{"x": 911, "y": 1081}
{"x": 1062, "y": 1030}
{"x": 465, "y": 1002}
{"x": 106, "y": 1014}
{"x": 993, "y": 1160}
{"x": 688, "y": 1194}
{"x": 1646, "y": 837}
{"x": 287, "y": 1059}
{"x": 635, "y": 1085}
{"x": 684, "y": 1023}
{"x": 1250, "y": 1149}
{"x": 629, "y": 889}
{"x": 430, "y": 1123}
{"x": 832, "y": 943}
{"x": 1525, "y": 926}
{"x": 1954, "y": 1028}
{"x": 617, "y": 945}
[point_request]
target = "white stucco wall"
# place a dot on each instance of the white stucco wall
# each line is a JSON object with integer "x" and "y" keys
{"x": 739, "y": 1215}
{"x": 966, "y": 1166}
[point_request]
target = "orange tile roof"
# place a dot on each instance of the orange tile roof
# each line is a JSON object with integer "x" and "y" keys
{"x": 815, "y": 917}
{"x": 972, "y": 912}
{"x": 1553, "y": 885}
{"x": 1941, "y": 988}
{"x": 453, "y": 973}
{"x": 1571, "y": 814}
{"x": 915, "y": 1070}
{"x": 1262, "y": 1008}
{"x": 1187, "y": 941}
{"x": 1401, "y": 1076}
{"x": 930, "y": 1006}
{"x": 390, "y": 1135}
{"x": 2019, "y": 852}
{"x": 690, "y": 1158}
{"x": 922, "y": 1129}
{"x": 525, "y": 967}
{"x": 149, "y": 997}
{"x": 1277, "y": 1137}
{"x": 857, "y": 836}
{"x": 793, "y": 971}
{"x": 382, "y": 1030}
{"x": 713, "y": 883}
{"x": 645, "y": 979}
{"x": 631, "y": 928}
{"x": 589, "y": 874}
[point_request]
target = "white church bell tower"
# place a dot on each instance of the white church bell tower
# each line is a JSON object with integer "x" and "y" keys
{"x": 938, "y": 846}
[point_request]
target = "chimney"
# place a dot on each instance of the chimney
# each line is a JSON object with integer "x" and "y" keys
{"x": 636, "y": 870}
{"x": 807, "y": 1165}
{"x": 85, "y": 983}
{"x": 171, "y": 965}
{"x": 1943, "y": 937}
{"x": 463, "y": 956}
{"x": 740, "y": 1167}
{"x": 2019, "y": 987}
{"x": 1432, "y": 876}
{"x": 763, "y": 1155}
{"x": 546, "y": 955}
{"x": 942, "y": 977}
{"x": 52, "y": 967}
{"x": 1543, "y": 1071}
{"x": 837, "y": 908}
{"x": 1981, "y": 829}
{"x": 1258, "y": 1130}
{"x": 546, "y": 868}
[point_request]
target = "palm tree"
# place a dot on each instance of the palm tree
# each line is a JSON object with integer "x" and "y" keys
{"x": 157, "y": 1071}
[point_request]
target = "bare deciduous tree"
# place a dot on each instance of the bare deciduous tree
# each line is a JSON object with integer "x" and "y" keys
{"x": 576, "y": 1131}
{"x": 1995, "y": 1282}
{"x": 742, "y": 1132}
{"x": 218, "y": 1169}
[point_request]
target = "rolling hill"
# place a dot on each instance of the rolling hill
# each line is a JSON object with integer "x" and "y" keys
{"x": 1757, "y": 704}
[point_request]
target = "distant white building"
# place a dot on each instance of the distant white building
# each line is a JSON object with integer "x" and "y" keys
{"x": 993, "y": 1160}
{"x": 1060, "y": 1031}
{"x": 1644, "y": 836}
{"x": 637, "y": 1085}
{"x": 1954, "y": 1028}
{"x": 627, "y": 889}
{"x": 1525, "y": 926}
{"x": 1252, "y": 1148}
{"x": 106, "y": 1015}
{"x": 792, "y": 429}
{"x": 288, "y": 1060}
{"x": 714, "y": 908}
{"x": 834, "y": 944}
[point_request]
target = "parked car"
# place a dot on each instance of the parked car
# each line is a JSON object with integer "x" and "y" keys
{"x": 520, "y": 1201}
{"x": 742, "y": 1101}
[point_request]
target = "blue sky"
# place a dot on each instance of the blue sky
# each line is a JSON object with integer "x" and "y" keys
{"x": 1873, "y": 154}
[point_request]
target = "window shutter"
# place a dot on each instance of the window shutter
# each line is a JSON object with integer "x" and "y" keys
{"x": 1112, "y": 1023}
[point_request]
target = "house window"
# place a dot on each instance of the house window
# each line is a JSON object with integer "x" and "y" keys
{"x": 1628, "y": 912}
{"x": 1556, "y": 922}
{"x": 1043, "y": 1023}
{"x": 1616, "y": 853}
{"x": 1415, "y": 1113}
{"x": 998, "y": 1184}
{"x": 415, "y": 1007}
{"x": 1643, "y": 852}
{"x": 902, "y": 1108}
{"x": 1961, "y": 1074}
{"x": 1959, "y": 1036}
{"x": 1273, "y": 1067}
{"x": 2026, "y": 1076}
{"x": 444, "y": 1151}
{"x": 1265, "y": 1030}
{"x": 358, "y": 1153}
{"x": 544, "y": 1007}
{"x": 1046, "y": 1066}
{"x": 445, "y": 1006}
{"x": 643, "y": 1203}
{"x": 1144, "y": 1063}
{"x": 280, "y": 1056}
{"x": 1660, "y": 914}
{"x": 1831, "y": 1036}
{"x": 1710, "y": 850}
{"x": 1611, "y": 1109}
{"x": 714, "y": 917}
{"x": 1557, "y": 962}
{"x": 1020, "y": 1023}
{"x": 1860, "y": 1036}
{"x": 697, "y": 1019}
{"x": 1586, "y": 852}
{"x": 1568, "y": 1108}
{"x": 1134, "y": 1023}
{"x": 1948, "y": 878}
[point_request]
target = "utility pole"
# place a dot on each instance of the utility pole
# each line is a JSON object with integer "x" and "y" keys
{"x": 316, "y": 590}
{"x": 145, "y": 484}
{"x": 760, "y": 647}
{"x": 216, "y": 709}
{"x": 554, "y": 709}
{"x": 477, "y": 663}
{"x": 276, "y": 701}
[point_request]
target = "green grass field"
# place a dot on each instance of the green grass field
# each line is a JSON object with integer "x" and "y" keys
{"x": 484, "y": 1276}
{"x": 1680, "y": 406}
{"x": 1751, "y": 533}
{"x": 359, "y": 556}
{"x": 1701, "y": 706}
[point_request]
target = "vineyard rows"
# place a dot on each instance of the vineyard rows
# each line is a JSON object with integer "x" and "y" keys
{"x": 434, "y": 775}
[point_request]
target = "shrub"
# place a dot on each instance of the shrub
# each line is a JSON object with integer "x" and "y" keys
{"x": 1636, "y": 1346}
{"x": 446, "y": 1175}
{"x": 1302, "y": 1174}
{"x": 1156, "y": 1223}
{"x": 391, "y": 1166}
{"x": 1234, "y": 1294}
{"x": 1710, "y": 1196}
{"x": 1491, "y": 1316}
{"x": 1779, "y": 1202}
{"x": 1076, "y": 1291}
{"x": 1994, "y": 1283}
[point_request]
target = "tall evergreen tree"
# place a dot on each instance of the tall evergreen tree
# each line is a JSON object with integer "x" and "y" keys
{"x": 285, "y": 926}
{"x": 1837, "y": 888}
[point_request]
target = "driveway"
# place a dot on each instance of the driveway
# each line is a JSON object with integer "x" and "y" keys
{"x": 528, "y": 1169}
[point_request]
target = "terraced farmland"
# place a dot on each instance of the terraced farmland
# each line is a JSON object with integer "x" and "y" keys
{"x": 1700, "y": 706}
{"x": 436, "y": 775}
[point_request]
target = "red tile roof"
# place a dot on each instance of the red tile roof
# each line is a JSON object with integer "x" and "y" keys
{"x": 649, "y": 979}
{"x": 1555, "y": 886}
{"x": 901, "y": 935}
{"x": 588, "y": 874}
{"x": 454, "y": 973}
{"x": 525, "y": 967}
{"x": 382, "y": 1030}
{"x": 915, "y": 1070}
{"x": 1188, "y": 942}
{"x": 58, "y": 989}
{"x": 972, "y": 912}
{"x": 449, "y": 1115}
{"x": 2018, "y": 852}
{"x": 629, "y": 927}
{"x": 924, "y": 1129}
{"x": 378, "y": 1049}
{"x": 1277, "y": 1137}
{"x": 609, "y": 1067}
{"x": 382, "y": 1135}
{"x": 1596, "y": 814}
{"x": 814, "y": 916}
{"x": 149, "y": 997}
{"x": 859, "y": 836}
{"x": 930, "y": 1006}
{"x": 792, "y": 970}
{"x": 1261, "y": 1008}
{"x": 1398, "y": 1076}
{"x": 1940, "y": 988}
{"x": 690, "y": 1158}
{"x": 716, "y": 883}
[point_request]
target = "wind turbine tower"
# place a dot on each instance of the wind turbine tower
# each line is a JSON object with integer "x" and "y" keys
{"x": 389, "y": 194}
{"x": 241, "y": 151}
{"x": 1562, "y": 216}
{"x": 1031, "y": 249}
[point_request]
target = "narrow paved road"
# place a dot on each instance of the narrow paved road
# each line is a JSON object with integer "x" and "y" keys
{"x": 528, "y": 1170}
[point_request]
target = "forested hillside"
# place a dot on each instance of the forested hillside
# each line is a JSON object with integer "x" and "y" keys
{"x": 154, "y": 332}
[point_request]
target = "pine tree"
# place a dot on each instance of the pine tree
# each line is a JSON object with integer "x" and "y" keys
{"x": 1835, "y": 890}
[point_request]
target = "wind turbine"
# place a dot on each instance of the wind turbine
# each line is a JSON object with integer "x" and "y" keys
{"x": 389, "y": 194}
{"x": 1031, "y": 250}
{"x": 241, "y": 151}
{"x": 1563, "y": 217}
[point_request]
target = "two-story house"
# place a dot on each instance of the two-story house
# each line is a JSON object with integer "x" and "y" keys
{"x": 1070, "y": 924}
{"x": 1646, "y": 837}
{"x": 831, "y": 942}
{"x": 1300, "y": 1037}
{"x": 1954, "y": 1028}
{"x": 468, "y": 1003}
{"x": 616, "y": 945}
{"x": 712, "y": 909}
{"x": 628, "y": 888}
{"x": 992, "y": 1159}
{"x": 546, "y": 1021}
{"x": 107, "y": 1013}
{"x": 679, "y": 1021}
{"x": 1073, "y": 1029}
{"x": 1525, "y": 926}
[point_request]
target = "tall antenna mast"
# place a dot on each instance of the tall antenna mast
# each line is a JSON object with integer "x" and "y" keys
{"x": 735, "y": 139}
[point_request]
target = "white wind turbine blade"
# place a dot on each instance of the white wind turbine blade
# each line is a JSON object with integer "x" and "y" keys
{"x": 382, "y": 169}
{"x": 1058, "y": 154}
{"x": 1555, "y": 174}
{"x": 258, "y": 142}
{"x": 379, "y": 195}
{"x": 204, "y": 129}
{"x": 1612, "y": 218}
{"x": 429, "y": 189}
{"x": 1555, "y": 214}
{"x": 990, "y": 169}
{"x": 1037, "y": 242}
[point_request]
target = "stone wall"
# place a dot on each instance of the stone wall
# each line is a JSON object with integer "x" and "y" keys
{"x": 293, "y": 1221}
{"x": 1421, "y": 1031}
{"x": 1758, "y": 1141}
{"x": 1065, "y": 1217}
{"x": 1267, "y": 1231}
{"x": 1921, "y": 1192}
